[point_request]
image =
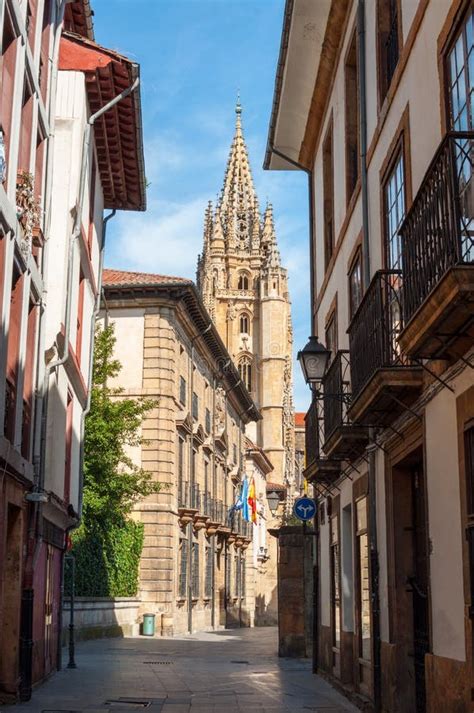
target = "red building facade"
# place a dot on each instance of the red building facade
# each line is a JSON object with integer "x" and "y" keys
{"x": 60, "y": 167}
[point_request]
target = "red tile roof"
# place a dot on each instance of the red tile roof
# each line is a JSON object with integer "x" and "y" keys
{"x": 118, "y": 132}
{"x": 275, "y": 486}
{"x": 124, "y": 277}
{"x": 299, "y": 419}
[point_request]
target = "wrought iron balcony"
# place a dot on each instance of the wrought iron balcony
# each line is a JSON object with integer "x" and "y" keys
{"x": 438, "y": 255}
{"x": 318, "y": 468}
{"x": 383, "y": 379}
{"x": 342, "y": 438}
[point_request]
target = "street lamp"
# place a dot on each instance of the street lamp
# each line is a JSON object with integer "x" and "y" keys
{"x": 273, "y": 501}
{"x": 313, "y": 360}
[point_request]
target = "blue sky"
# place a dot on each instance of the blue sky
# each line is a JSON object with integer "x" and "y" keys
{"x": 194, "y": 56}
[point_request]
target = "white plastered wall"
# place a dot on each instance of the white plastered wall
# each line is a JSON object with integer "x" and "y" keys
{"x": 444, "y": 514}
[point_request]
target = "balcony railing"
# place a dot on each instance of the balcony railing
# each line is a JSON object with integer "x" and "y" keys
{"x": 336, "y": 385}
{"x": 438, "y": 231}
{"x": 374, "y": 330}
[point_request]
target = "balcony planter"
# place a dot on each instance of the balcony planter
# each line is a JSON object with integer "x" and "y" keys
{"x": 28, "y": 211}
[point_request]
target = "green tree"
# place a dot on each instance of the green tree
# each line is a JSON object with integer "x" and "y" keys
{"x": 112, "y": 482}
{"x": 108, "y": 544}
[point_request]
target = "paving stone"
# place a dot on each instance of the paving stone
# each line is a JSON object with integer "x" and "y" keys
{"x": 201, "y": 678}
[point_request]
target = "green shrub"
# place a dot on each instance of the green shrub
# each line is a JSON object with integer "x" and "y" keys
{"x": 107, "y": 560}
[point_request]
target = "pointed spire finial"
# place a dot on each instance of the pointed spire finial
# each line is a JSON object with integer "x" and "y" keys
{"x": 238, "y": 105}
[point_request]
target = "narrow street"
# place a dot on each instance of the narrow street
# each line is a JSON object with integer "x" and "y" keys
{"x": 207, "y": 673}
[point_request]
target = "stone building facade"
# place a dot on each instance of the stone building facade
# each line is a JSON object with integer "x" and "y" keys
{"x": 374, "y": 101}
{"x": 197, "y": 563}
{"x": 245, "y": 289}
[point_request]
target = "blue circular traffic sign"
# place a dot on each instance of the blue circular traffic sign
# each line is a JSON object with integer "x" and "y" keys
{"x": 304, "y": 508}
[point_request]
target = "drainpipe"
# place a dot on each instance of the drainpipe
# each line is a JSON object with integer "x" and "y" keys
{"x": 312, "y": 254}
{"x": 95, "y": 312}
{"x": 372, "y": 476}
{"x": 94, "y": 315}
{"x": 62, "y": 360}
{"x": 314, "y": 330}
{"x": 70, "y": 273}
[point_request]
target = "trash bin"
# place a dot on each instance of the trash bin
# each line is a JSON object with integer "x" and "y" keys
{"x": 148, "y": 625}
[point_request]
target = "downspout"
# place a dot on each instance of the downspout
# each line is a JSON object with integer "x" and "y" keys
{"x": 312, "y": 254}
{"x": 314, "y": 330}
{"x": 95, "y": 312}
{"x": 94, "y": 315}
{"x": 62, "y": 360}
{"x": 372, "y": 476}
{"x": 75, "y": 235}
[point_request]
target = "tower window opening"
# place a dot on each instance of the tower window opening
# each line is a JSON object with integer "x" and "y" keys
{"x": 244, "y": 324}
{"x": 245, "y": 372}
{"x": 243, "y": 282}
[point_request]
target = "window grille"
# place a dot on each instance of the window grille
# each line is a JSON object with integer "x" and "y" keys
{"x": 243, "y": 282}
{"x": 394, "y": 194}
{"x": 182, "y": 390}
{"x": 244, "y": 324}
{"x": 245, "y": 372}
{"x": 195, "y": 570}
{"x": 195, "y": 406}
{"x": 183, "y": 568}
{"x": 208, "y": 577}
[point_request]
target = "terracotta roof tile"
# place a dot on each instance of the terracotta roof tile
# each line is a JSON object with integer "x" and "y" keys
{"x": 275, "y": 486}
{"x": 299, "y": 419}
{"x": 124, "y": 277}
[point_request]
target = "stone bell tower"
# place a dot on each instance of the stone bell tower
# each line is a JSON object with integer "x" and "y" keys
{"x": 245, "y": 289}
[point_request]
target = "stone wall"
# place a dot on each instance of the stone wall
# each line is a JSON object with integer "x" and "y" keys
{"x": 95, "y": 618}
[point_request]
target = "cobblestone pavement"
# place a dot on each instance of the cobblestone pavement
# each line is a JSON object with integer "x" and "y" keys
{"x": 218, "y": 672}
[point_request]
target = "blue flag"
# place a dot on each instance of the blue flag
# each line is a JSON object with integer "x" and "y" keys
{"x": 245, "y": 500}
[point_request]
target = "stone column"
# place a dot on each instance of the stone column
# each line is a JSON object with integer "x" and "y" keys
{"x": 294, "y": 591}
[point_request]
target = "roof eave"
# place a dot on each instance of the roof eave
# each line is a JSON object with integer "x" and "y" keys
{"x": 188, "y": 292}
{"x": 280, "y": 70}
{"x": 81, "y": 54}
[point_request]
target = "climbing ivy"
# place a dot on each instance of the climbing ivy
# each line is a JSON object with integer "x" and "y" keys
{"x": 107, "y": 561}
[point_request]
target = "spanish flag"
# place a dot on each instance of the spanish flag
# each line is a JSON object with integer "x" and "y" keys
{"x": 252, "y": 501}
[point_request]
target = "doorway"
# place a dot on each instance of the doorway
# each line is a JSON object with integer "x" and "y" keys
{"x": 10, "y": 631}
{"x": 410, "y": 607}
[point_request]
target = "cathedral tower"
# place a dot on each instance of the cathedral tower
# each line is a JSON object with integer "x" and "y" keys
{"x": 245, "y": 289}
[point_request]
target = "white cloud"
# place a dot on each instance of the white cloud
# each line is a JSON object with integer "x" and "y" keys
{"x": 165, "y": 240}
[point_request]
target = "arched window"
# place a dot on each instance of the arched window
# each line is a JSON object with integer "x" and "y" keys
{"x": 243, "y": 282}
{"x": 245, "y": 371}
{"x": 244, "y": 324}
